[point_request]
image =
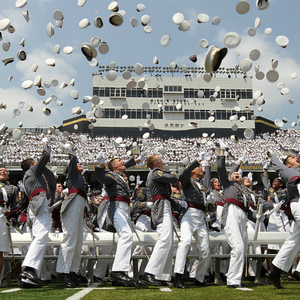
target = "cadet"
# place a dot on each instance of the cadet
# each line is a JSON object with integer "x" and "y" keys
{"x": 9, "y": 195}
{"x": 158, "y": 181}
{"x": 118, "y": 216}
{"x": 39, "y": 184}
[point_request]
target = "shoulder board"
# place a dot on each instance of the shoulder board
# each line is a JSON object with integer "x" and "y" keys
{"x": 160, "y": 173}
{"x": 110, "y": 175}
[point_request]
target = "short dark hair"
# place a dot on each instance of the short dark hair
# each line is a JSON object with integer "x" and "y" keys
{"x": 285, "y": 160}
{"x": 26, "y": 164}
{"x": 110, "y": 164}
{"x": 151, "y": 160}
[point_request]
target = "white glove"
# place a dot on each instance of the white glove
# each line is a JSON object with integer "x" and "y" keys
{"x": 101, "y": 158}
{"x": 266, "y": 166}
{"x": 223, "y": 146}
{"x": 72, "y": 150}
{"x": 55, "y": 174}
{"x": 243, "y": 157}
{"x": 202, "y": 155}
{"x": 45, "y": 140}
{"x": 149, "y": 204}
{"x": 250, "y": 176}
{"x": 21, "y": 186}
{"x": 203, "y": 163}
{"x": 138, "y": 180}
{"x": 183, "y": 204}
{"x": 240, "y": 171}
{"x": 142, "y": 157}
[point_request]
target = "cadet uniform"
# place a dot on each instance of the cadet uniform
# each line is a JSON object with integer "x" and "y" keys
{"x": 160, "y": 263}
{"x": 141, "y": 210}
{"x": 193, "y": 223}
{"x": 118, "y": 213}
{"x": 71, "y": 211}
{"x": 278, "y": 221}
{"x": 234, "y": 220}
{"x": 9, "y": 198}
{"x": 39, "y": 184}
{"x": 291, "y": 247}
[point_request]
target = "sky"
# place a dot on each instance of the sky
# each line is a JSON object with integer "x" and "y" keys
{"x": 129, "y": 45}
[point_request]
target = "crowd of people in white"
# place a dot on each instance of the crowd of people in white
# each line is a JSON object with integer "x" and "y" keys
{"x": 173, "y": 150}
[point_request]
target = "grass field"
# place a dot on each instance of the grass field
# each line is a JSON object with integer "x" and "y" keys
{"x": 56, "y": 291}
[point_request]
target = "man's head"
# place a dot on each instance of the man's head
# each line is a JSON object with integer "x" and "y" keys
{"x": 292, "y": 161}
{"x": 198, "y": 172}
{"x": 27, "y": 163}
{"x": 215, "y": 184}
{"x": 59, "y": 188}
{"x": 79, "y": 168}
{"x": 277, "y": 183}
{"x": 247, "y": 182}
{"x": 117, "y": 165}
{"x": 154, "y": 161}
{"x": 235, "y": 176}
{"x": 3, "y": 173}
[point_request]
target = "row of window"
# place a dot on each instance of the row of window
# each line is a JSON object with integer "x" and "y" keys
{"x": 112, "y": 113}
{"x": 218, "y": 114}
{"x": 113, "y": 92}
{"x": 122, "y": 92}
{"x": 224, "y": 93}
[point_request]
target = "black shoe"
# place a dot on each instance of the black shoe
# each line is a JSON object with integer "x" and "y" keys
{"x": 149, "y": 279}
{"x": 25, "y": 285}
{"x": 30, "y": 273}
{"x": 120, "y": 278}
{"x": 84, "y": 279}
{"x": 275, "y": 280}
{"x": 98, "y": 280}
{"x": 199, "y": 283}
{"x": 178, "y": 282}
{"x": 74, "y": 276}
{"x": 296, "y": 276}
{"x": 66, "y": 277}
{"x": 234, "y": 286}
{"x": 166, "y": 283}
{"x": 47, "y": 281}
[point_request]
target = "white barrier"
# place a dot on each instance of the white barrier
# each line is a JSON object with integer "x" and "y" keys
{"x": 150, "y": 238}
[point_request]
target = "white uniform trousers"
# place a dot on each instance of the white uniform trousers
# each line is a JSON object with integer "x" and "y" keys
{"x": 72, "y": 225}
{"x": 193, "y": 224}
{"x": 291, "y": 247}
{"x": 143, "y": 223}
{"x": 124, "y": 247}
{"x": 160, "y": 262}
{"x": 236, "y": 234}
{"x": 4, "y": 237}
{"x": 40, "y": 237}
{"x": 278, "y": 222}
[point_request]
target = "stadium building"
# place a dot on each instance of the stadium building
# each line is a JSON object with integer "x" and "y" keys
{"x": 169, "y": 103}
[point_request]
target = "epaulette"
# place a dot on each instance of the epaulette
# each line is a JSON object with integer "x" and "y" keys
{"x": 160, "y": 173}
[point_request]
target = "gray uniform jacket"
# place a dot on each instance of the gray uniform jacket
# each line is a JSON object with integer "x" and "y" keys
{"x": 290, "y": 176}
{"x": 159, "y": 182}
{"x": 74, "y": 180}
{"x": 275, "y": 195}
{"x": 115, "y": 185}
{"x": 11, "y": 197}
{"x": 40, "y": 177}
{"x": 194, "y": 189}
{"x": 233, "y": 191}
